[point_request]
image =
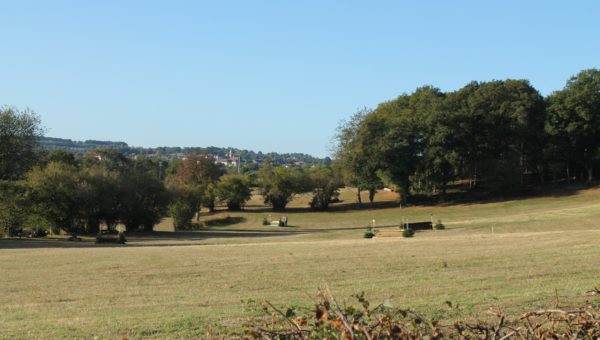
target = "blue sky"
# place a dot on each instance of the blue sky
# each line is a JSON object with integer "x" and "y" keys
{"x": 269, "y": 75}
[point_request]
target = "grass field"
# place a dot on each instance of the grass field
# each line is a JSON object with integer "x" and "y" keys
{"x": 184, "y": 284}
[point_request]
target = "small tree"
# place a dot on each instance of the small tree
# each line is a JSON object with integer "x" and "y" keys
{"x": 234, "y": 190}
{"x": 183, "y": 210}
{"x": 209, "y": 197}
{"x": 279, "y": 185}
{"x": 324, "y": 185}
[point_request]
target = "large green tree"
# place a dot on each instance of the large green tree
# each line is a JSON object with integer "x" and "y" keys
{"x": 392, "y": 139}
{"x": 498, "y": 129}
{"x": 574, "y": 120}
{"x": 145, "y": 198}
{"x": 56, "y": 194}
{"x": 101, "y": 198}
{"x": 19, "y": 133}
{"x": 357, "y": 166}
{"x": 123, "y": 190}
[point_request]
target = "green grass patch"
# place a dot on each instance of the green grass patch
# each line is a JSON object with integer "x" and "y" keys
{"x": 189, "y": 284}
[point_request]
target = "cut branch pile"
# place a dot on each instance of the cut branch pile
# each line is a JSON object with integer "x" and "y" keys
{"x": 330, "y": 319}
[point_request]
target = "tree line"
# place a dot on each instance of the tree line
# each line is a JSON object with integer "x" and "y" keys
{"x": 199, "y": 182}
{"x": 497, "y": 136}
{"x": 500, "y": 136}
{"x": 65, "y": 192}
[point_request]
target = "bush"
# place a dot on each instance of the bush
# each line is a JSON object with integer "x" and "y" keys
{"x": 182, "y": 213}
{"x": 407, "y": 232}
{"x": 439, "y": 225}
{"x": 369, "y": 233}
{"x": 234, "y": 190}
{"x": 265, "y": 221}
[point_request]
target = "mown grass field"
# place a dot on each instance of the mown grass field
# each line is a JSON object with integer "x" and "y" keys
{"x": 185, "y": 284}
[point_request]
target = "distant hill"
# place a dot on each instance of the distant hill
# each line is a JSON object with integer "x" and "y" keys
{"x": 164, "y": 152}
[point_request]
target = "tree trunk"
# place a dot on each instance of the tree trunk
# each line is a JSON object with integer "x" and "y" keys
{"x": 92, "y": 226}
{"x": 540, "y": 173}
{"x": 568, "y": 174}
{"x": 372, "y": 193}
{"x": 404, "y": 191}
{"x": 523, "y": 163}
{"x": 358, "y": 196}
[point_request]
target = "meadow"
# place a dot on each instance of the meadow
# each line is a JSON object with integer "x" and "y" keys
{"x": 189, "y": 284}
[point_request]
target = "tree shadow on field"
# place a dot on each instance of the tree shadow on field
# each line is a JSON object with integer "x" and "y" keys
{"x": 38, "y": 243}
{"x": 468, "y": 197}
{"x": 224, "y": 221}
{"x": 333, "y": 208}
{"x": 148, "y": 239}
{"x": 483, "y": 196}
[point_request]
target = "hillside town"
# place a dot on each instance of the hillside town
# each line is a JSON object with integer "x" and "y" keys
{"x": 226, "y": 156}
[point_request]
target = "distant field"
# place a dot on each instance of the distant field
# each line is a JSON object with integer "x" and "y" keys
{"x": 183, "y": 284}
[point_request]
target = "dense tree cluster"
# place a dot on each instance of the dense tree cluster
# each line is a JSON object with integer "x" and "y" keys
{"x": 102, "y": 188}
{"x": 500, "y": 135}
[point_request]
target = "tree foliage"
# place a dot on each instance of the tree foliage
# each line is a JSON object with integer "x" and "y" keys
{"x": 234, "y": 190}
{"x": 14, "y": 206}
{"x": 107, "y": 188}
{"x": 574, "y": 120}
{"x": 19, "y": 133}
{"x": 57, "y": 195}
{"x": 278, "y": 185}
{"x": 497, "y": 134}
{"x": 325, "y": 185}
{"x": 358, "y": 166}
{"x": 194, "y": 182}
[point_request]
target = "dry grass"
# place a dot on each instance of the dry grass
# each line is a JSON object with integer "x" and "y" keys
{"x": 178, "y": 285}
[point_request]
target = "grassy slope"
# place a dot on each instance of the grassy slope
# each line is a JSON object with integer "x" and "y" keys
{"x": 157, "y": 287}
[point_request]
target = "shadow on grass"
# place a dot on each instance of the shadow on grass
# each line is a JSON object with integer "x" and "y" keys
{"x": 333, "y": 208}
{"x": 483, "y": 196}
{"x": 462, "y": 197}
{"x": 148, "y": 239}
{"x": 182, "y": 238}
{"x": 224, "y": 221}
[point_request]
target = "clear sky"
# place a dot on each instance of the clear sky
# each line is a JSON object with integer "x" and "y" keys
{"x": 269, "y": 75}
